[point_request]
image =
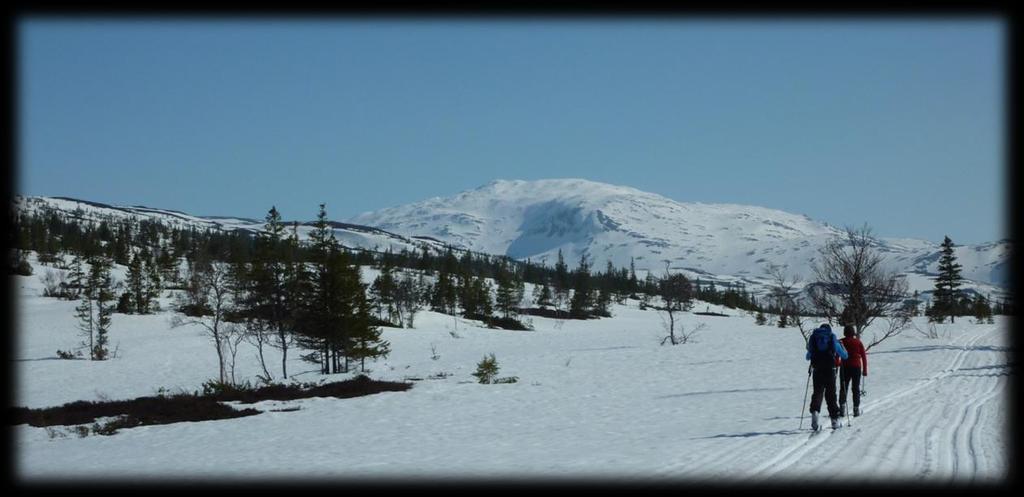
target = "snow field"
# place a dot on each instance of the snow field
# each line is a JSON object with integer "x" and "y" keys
{"x": 595, "y": 399}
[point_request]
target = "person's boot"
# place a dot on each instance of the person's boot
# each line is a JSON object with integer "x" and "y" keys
{"x": 814, "y": 421}
{"x": 856, "y": 411}
{"x": 835, "y": 422}
{"x": 842, "y": 410}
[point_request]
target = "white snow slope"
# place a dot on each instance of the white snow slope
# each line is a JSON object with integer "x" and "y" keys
{"x": 607, "y": 222}
{"x": 597, "y": 399}
{"x": 93, "y": 212}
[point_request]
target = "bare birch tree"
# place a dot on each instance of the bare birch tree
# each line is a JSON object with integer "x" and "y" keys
{"x": 784, "y": 295}
{"x": 213, "y": 288}
{"x": 854, "y": 288}
{"x": 677, "y": 295}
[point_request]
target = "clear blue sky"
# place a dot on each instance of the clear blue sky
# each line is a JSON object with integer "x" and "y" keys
{"x": 898, "y": 124}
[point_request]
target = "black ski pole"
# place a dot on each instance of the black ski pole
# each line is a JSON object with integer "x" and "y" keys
{"x": 806, "y": 388}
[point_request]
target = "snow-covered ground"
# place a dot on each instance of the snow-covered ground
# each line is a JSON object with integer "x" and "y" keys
{"x": 595, "y": 399}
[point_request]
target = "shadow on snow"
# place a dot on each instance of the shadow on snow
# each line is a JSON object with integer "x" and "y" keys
{"x": 751, "y": 434}
{"x": 712, "y": 392}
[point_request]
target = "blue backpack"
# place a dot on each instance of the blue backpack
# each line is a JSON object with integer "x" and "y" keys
{"x": 822, "y": 347}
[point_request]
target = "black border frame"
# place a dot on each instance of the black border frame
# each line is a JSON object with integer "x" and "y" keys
{"x": 899, "y": 9}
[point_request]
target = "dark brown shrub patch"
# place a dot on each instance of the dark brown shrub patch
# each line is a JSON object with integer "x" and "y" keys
{"x": 358, "y": 386}
{"x": 134, "y": 412}
{"x": 166, "y": 409}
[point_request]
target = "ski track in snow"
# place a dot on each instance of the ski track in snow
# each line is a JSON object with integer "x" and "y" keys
{"x": 940, "y": 416}
{"x": 947, "y": 421}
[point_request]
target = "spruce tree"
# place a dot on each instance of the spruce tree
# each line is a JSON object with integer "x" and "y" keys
{"x": 947, "y": 283}
{"x": 509, "y": 293}
{"x": 154, "y": 285}
{"x": 482, "y": 291}
{"x": 137, "y": 285}
{"x": 104, "y": 311}
{"x": 76, "y": 278}
{"x": 366, "y": 338}
{"x": 542, "y": 295}
{"x": 443, "y": 296}
{"x": 981, "y": 309}
{"x": 326, "y": 310}
{"x": 95, "y": 308}
{"x": 561, "y": 282}
{"x": 583, "y": 297}
{"x": 295, "y": 289}
{"x": 384, "y": 290}
{"x": 335, "y": 315}
{"x": 168, "y": 266}
{"x": 760, "y": 320}
{"x": 603, "y": 302}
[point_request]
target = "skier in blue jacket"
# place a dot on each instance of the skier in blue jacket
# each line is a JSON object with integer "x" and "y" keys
{"x": 825, "y": 352}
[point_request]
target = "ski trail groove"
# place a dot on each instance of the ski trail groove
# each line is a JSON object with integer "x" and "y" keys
{"x": 885, "y": 443}
{"x": 966, "y": 432}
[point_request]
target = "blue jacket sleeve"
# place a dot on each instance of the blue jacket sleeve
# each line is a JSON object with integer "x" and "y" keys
{"x": 839, "y": 348}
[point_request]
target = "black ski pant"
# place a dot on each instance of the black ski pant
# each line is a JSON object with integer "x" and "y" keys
{"x": 850, "y": 375}
{"x": 824, "y": 381}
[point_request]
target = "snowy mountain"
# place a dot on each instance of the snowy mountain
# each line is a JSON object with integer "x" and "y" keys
{"x": 534, "y": 219}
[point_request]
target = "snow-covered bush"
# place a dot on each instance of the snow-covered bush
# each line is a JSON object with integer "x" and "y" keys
{"x": 54, "y": 283}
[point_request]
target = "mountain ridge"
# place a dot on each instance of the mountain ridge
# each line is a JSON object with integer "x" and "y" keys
{"x": 534, "y": 219}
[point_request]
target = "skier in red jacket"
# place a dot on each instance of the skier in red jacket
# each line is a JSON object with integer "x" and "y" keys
{"x": 854, "y": 366}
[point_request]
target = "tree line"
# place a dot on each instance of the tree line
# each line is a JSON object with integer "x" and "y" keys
{"x": 156, "y": 249}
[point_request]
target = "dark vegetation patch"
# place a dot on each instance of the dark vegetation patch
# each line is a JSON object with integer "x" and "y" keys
{"x": 164, "y": 409}
{"x": 711, "y": 314}
{"x": 376, "y": 321}
{"x": 134, "y": 412}
{"x": 358, "y": 386}
{"x": 507, "y": 323}
{"x": 499, "y": 322}
{"x": 555, "y": 313}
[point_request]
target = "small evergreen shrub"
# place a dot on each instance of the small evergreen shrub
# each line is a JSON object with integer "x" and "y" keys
{"x": 124, "y": 303}
{"x": 216, "y": 388}
{"x": 486, "y": 369}
{"x": 23, "y": 268}
{"x": 64, "y": 354}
